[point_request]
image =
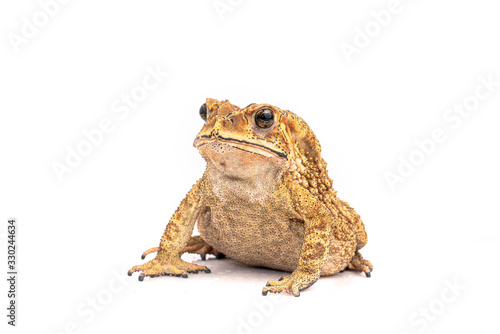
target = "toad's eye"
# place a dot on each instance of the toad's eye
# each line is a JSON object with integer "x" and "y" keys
{"x": 264, "y": 118}
{"x": 204, "y": 112}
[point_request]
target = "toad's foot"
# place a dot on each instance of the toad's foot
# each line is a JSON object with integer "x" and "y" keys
{"x": 149, "y": 251}
{"x": 360, "y": 264}
{"x": 292, "y": 283}
{"x": 195, "y": 245}
{"x": 166, "y": 265}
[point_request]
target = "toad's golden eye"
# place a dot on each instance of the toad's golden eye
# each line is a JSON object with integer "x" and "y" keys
{"x": 264, "y": 118}
{"x": 204, "y": 112}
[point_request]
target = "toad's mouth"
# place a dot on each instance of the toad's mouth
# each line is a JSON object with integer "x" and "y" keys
{"x": 240, "y": 145}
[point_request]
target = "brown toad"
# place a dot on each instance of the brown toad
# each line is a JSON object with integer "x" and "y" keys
{"x": 265, "y": 200}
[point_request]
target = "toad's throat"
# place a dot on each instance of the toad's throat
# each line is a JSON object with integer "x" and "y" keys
{"x": 240, "y": 145}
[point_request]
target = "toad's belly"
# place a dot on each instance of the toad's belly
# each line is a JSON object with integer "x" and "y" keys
{"x": 256, "y": 237}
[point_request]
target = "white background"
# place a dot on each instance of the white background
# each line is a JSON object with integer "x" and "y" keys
{"x": 439, "y": 227}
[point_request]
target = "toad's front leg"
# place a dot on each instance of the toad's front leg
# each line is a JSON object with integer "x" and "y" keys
{"x": 174, "y": 239}
{"x": 319, "y": 225}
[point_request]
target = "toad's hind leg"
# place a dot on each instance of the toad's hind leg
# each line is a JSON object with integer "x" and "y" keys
{"x": 359, "y": 264}
{"x": 195, "y": 245}
{"x": 149, "y": 251}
